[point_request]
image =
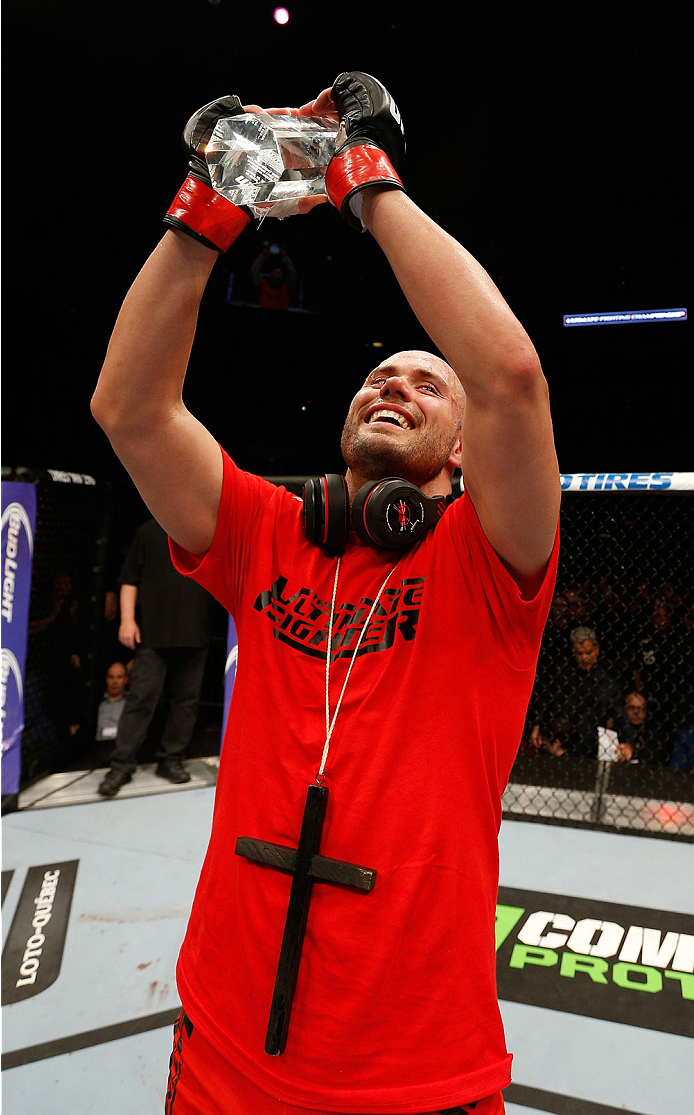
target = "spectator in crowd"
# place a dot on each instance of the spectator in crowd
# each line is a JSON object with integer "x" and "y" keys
{"x": 649, "y": 747}
{"x": 636, "y": 708}
{"x": 170, "y": 644}
{"x": 275, "y": 276}
{"x": 660, "y": 665}
{"x": 113, "y": 703}
{"x": 578, "y": 702}
{"x": 577, "y": 603}
{"x": 551, "y": 736}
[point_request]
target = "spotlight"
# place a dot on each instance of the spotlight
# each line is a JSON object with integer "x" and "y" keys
{"x": 280, "y": 15}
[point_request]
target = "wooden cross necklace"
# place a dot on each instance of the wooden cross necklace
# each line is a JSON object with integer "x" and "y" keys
{"x": 304, "y": 862}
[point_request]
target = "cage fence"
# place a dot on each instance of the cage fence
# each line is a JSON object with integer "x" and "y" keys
{"x": 609, "y": 736}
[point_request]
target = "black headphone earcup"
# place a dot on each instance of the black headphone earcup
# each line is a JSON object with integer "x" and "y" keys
{"x": 336, "y": 512}
{"x": 393, "y": 513}
{"x": 358, "y": 521}
{"x": 325, "y": 516}
{"x": 310, "y": 514}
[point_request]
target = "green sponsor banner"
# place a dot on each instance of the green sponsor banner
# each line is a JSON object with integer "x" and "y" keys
{"x": 625, "y": 964}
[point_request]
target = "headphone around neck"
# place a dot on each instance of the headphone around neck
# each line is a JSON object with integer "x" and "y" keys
{"x": 391, "y": 513}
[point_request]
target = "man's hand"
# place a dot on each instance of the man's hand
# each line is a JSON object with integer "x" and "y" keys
{"x": 370, "y": 148}
{"x": 323, "y": 105}
{"x": 555, "y": 747}
{"x": 197, "y": 209}
{"x": 305, "y": 204}
{"x": 625, "y": 752}
{"x": 129, "y": 633}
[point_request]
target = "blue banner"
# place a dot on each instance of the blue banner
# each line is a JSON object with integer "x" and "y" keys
{"x": 229, "y": 672}
{"x": 625, "y": 317}
{"x": 18, "y": 526}
{"x": 627, "y": 481}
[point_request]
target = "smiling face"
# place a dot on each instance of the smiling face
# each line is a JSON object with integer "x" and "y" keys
{"x": 405, "y": 421}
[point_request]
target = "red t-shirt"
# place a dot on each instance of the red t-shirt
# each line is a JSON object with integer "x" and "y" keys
{"x": 395, "y": 1008}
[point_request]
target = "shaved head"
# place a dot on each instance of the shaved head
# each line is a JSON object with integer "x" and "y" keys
{"x": 406, "y": 421}
{"x": 438, "y": 364}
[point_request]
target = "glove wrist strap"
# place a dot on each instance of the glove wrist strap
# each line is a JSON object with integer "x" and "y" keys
{"x": 355, "y": 169}
{"x": 204, "y": 214}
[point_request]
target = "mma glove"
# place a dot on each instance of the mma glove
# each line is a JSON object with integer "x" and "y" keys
{"x": 370, "y": 147}
{"x": 197, "y": 209}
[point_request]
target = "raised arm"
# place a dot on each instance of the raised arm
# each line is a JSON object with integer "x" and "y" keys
{"x": 173, "y": 460}
{"x": 509, "y": 462}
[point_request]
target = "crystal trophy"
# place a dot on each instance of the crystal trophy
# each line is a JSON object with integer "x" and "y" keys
{"x": 270, "y": 163}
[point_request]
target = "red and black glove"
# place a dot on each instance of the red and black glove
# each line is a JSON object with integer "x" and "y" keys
{"x": 370, "y": 149}
{"x": 197, "y": 209}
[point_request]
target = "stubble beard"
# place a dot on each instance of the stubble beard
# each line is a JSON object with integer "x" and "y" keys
{"x": 418, "y": 459}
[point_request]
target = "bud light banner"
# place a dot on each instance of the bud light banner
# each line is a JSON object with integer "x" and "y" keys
{"x": 18, "y": 524}
{"x": 229, "y": 671}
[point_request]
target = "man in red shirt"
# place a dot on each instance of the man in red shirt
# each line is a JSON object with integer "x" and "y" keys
{"x": 275, "y": 276}
{"x": 394, "y": 677}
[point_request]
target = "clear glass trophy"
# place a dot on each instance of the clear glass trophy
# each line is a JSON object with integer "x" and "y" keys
{"x": 270, "y": 163}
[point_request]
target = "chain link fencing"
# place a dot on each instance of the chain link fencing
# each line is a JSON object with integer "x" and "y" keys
{"x": 609, "y": 737}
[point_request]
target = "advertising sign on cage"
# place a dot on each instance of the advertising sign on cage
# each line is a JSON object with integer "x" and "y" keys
{"x": 627, "y": 481}
{"x": 18, "y": 524}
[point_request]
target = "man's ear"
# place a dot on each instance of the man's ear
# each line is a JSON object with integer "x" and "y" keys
{"x": 455, "y": 459}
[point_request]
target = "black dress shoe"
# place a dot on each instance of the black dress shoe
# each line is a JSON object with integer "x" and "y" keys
{"x": 173, "y": 770}
{"x": 111, "y": 784}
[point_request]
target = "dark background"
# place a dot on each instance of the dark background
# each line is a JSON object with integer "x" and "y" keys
{"x": 551, "y": 145}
